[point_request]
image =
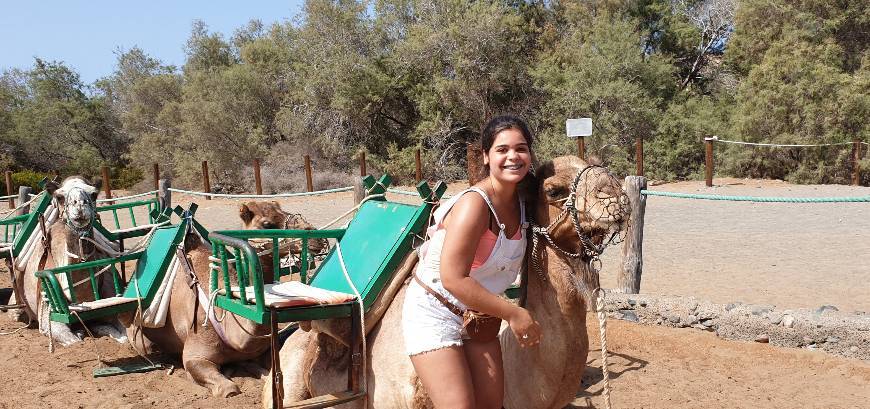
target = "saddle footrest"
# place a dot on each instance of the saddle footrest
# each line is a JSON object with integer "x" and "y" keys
{"x": 102, "y": 303}
{"x": 325, "y": 401}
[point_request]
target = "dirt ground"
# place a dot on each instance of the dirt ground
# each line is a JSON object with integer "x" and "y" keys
{"x": 789, "y": 255}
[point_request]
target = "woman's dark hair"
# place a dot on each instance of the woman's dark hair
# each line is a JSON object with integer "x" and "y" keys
{"x": 500, "y": 123}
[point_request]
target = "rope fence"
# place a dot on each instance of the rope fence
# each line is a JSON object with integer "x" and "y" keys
{"x": 779, "y": 145}
{"x": 253, "y": 196}
{"x": 760, "y": 199}
{"x": 122, "y": 198}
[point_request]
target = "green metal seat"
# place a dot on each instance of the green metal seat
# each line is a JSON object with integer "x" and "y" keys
{"x": 373, "y": 245}
{"x": 151, "y": 267}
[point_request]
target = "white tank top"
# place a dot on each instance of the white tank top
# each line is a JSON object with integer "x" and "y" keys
{"x": 496, "y": 274}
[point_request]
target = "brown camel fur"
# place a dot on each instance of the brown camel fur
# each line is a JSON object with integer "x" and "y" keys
{"x": 201, "y": 348}
{"x": 74, "y": 203}
{"x": 545, "y": 376}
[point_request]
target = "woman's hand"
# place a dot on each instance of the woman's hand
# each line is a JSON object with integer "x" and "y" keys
{"x": 525, "y": 328}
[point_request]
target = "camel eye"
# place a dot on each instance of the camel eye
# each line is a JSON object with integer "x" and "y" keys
{"x": 555, "y": 193}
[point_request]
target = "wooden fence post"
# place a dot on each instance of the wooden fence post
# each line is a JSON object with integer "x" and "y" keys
{"x": 164, "y": 195}
{"x": 638, "y": 154}
{"x": 362, "y": 163}
{"x": 206, "y": 185}
{"x": 156, "y": 170}
{"x": 856, "y": 166}
{"x": 708, "y": 142}
{"x": 9, "y": 189}
{"x": 581, "y": 147}
{"x": 628, "y": 281}
{"x": 474, "y": 163}
{"x": 23, "y": 197}
{"x": 418, "y": 166}
{"x": 359, "y": 190}
{"x": 107, "y": 183}
{"x": 257, "y": 181}
{"x": 308, "y": 183}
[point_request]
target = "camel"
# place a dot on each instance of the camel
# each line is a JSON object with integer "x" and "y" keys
{"x": 204, "y": 348}
{"x": 558, "y": 287}
{"x": 68, "y": 219}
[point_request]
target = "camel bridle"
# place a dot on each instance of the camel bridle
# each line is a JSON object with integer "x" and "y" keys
{"x": 88, "y": 202}
{"x": 589, "y": 249}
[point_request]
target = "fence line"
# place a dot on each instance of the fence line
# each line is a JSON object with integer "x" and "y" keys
{"x": 115, "y": 199}
{"x": 761, "y": 199}
{"x": 250, "y": 196}
{"x": 777, "y": 145}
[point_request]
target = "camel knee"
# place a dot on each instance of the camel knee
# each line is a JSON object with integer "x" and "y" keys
{"x": 206, "y": 372}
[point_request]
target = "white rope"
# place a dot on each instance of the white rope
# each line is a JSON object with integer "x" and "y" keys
{"x": 410, "y": 193}
{"x": 8, "y": 197}
{"x": 777, "y": 145}
{"x": 362, "y": 319}
{"x": 602, "y": 330}
{"x": 6, "y": 213}
{"x": 116, "y": 199}
{"x": 250, "y": 196}
{"x": 355, "y": 208}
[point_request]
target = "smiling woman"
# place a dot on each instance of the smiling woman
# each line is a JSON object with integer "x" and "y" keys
{"x": 452, "y": 311}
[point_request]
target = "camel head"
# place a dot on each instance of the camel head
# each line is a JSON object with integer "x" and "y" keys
{"x": 582, "y": 207}
{"x": 270, "y": 215}
{"x": 76, "y": 199}
{"x": 263, "y": 215}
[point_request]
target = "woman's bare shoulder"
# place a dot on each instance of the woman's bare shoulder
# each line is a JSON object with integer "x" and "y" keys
{"x": 470, "y": 210}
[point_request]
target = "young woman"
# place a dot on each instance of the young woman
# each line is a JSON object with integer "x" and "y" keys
{"x": 474, "y": 252}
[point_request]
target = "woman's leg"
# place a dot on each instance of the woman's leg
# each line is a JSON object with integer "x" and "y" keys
{"x": 444, "y": 373}
{"x": 487, "y": 373}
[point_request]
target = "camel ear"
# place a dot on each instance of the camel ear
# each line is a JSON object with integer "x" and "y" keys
{"x": 245, "y": 213}
{"x": 51, "y": 187}
{"x": 98, "y": 183}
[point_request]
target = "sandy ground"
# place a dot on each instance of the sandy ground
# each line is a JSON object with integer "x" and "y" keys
{"x": 790, "y": 255}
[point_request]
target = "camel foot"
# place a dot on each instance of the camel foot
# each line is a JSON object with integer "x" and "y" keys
{"x": 111, "y": 331}
{"x": 61, "y": 334}
{"x": 206, "y": 372}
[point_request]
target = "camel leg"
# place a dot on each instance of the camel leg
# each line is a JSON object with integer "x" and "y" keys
{"x": 292, "y": 356}
{"x": 205, "y": 371}
{"x": 60, "y": 332}
{"x": 111, "y": 329}
{"x": 140, "y": 342}
{"x": 16, "y": 314}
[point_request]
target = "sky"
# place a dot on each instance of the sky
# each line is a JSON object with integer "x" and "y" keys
{"x": 86, "y": 34}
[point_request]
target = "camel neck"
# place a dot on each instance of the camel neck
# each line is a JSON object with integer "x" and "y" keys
{"x": 557, "y": 363}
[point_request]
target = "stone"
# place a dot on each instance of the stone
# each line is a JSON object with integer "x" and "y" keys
{"x": 760, "y": 310}
{"x": 643, "y": 303}
{"x": 659, "y": 321}
{"x": 832, "y": 340}
{"x": 775, "y": 318}
{"x": 787, "y": 321}
{"x": 690, "y": 320}
{"x": 700, "y": 327}
{"x": 693, "y": 306}
{"x": 808, "y": 340}
{"x": 812, "y": 346}
{"x": 707, "y": 322}
{"x": 762, "y": 338}
{"x": 631, "y": 302}
{"x": 731, "y": 306}
{"x": 853, "y": 349}
{"x": 826, "y": 308}
{"x": 628, "y": 315}
{"x": 674, "y": 319}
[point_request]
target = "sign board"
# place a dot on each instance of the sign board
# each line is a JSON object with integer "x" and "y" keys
{"x": 576, "y": 128}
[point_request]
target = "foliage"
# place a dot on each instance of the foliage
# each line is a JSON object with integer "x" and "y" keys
{"x": 391, "y": 76}
{"x": 28, "y": 178}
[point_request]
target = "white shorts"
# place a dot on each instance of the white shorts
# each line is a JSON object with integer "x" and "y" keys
{"x": 427, "y": 324}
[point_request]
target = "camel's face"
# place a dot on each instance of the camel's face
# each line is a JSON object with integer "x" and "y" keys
{"x": 602, "y": 206}
{"x": 77, "y": 200}
{"x": 262, "y": 215}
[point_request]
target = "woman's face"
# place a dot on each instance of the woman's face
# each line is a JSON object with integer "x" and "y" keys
{"x": 509, "y": 157}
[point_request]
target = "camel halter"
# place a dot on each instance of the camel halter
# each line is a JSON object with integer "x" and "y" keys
{"x": 89, "y": 202}
{"x": 591, "y": 251}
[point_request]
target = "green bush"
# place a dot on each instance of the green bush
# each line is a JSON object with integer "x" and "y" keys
{"x": 125, "y": 178}
{"x": 27, "y": 178}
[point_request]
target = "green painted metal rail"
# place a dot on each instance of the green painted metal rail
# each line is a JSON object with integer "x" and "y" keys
{"x": 148, "y": 205}
{"x": 763, "y": 199}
